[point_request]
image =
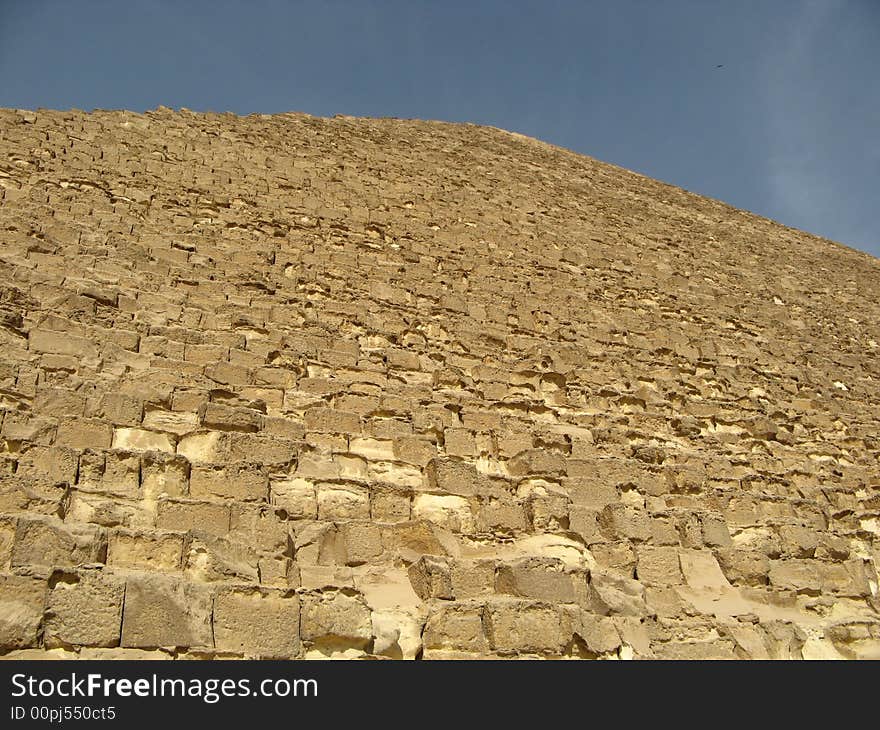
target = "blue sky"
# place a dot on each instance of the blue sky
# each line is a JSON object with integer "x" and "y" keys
{"x": 789, "y": 127}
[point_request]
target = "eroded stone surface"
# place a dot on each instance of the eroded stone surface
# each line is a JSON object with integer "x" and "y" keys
{"x": 280, "y": 386}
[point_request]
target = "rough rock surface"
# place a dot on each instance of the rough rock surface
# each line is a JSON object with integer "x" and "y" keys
{"x": 281, "y": 386}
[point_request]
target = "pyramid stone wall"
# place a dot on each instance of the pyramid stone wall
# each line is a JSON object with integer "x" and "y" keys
{"x": 282, "y": 386}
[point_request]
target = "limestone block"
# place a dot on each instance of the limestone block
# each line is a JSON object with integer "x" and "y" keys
{"x": 796, "y": 574}
{"x": 460, "y": 442}
{"x": 296, "y": 496}
{"x": 208, "y": 558}
{"x": 21, "y": 610}
{"x": 164, "y": 475}
{"x": 220, "y": 416}
{"x": 453, "y": 513}
{"x": 84, "y": 433}
{"x": 598, "y": 633}
{"x": 183, "y": 515}
{"x": 241, "y": 482}
{"x": 361, "y": 542}
{"x": 54, "y": 463}
{"x": 798, "y": 541}
{"x": 335, "y": 620}
{"x": 372, "y": 449}
{"x": 164, "y": 611}
{"x": 536, "y": 462}
{"x": 473, "y": 578}
{"x": 458, "y": 478}
{"x": 591, "y": 494}
{"x": 744, "y": 567}
{"x": 50, "y": 542}
{"x": 36, "y": 494}
{"x": 622, "y": 521}
{"x": 328, "y": 420}
{"x": 139, "y": 439}
{"x": 83, "y": 608}
{"x": 176, "y": 422}
{"x": 658, "y": 565}
{"x": 200, "y": 447}
{"x": 259, "y": 526}
{"x": 388, "y": 504}
{"x": 431, "y": 577}
{"x": 343, "y": 502}
{"x": 616, "y": 594}
{"x": 414, "y": 450}
{"x": 105, "y": 510}
{"x": 526, "y": 627}
{"x": 7, "y": 541}
{"x": 459, "y": 627}
{"x": 397, "y": 634}
{"x": 143, "y": 550}
{"x": 62, "y": 343}
{"x": 541, "y": 579}
{"x": 419, "y": 537}
{"x": 585, "y": 522}
{"x": 400, "y": 475}
{"x": 548, "y": 511}
{"x": 257, "y": 623}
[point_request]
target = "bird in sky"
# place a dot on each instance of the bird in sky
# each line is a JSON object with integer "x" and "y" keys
{"x": 720, "y": 65}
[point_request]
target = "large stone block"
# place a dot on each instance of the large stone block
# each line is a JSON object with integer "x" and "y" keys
{"x": 539, "y": 578}
{"x": 257, "y": 623}
{"x": 527, "y": 627}
{"x": 336, "y": 620}
{"x": 145, "y": 550}
{"x": 21, "y": 611}
{"x": 447, "y": 510}
{"x": 50, "y": 542}
{"x": 140, "y": 439}
{"x": 166, "y": 612}
{"x": 241, "y": 482}
{"x": 456, "y": 477}
{"x": 459, "y": 627}
{"x": 83, "y": 608}
{"x": 658, "y": 565}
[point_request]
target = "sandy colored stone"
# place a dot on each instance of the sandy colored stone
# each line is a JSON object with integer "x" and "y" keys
{"x": 448, "y": 391}
{"x": 263, "y": 624}
{"x": 162, "y": 611}
{"x": 83, "y": 608}
{"x": 21, "y": 610}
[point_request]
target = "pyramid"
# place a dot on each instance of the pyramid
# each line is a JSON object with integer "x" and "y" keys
{"x": 293, "y": 387}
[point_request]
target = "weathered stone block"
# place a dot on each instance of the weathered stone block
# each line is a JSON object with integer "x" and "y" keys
{"x": 163, "y": 611}
{"x": 526, "y": 627}
{"x": 241, "y": 482}
{"x": 83, "y": 608}
{"x": 48, "y": 541}
{"x": 145, "y": 550}
{"x": 459, "y": 478}
{"x": 84, "y": 433}
{"x": 336, "y": 620}
{"x": 257, "y": 623}
{"x": 140, "y": 439}
{"x": 183, "y": 515}
{"x": 361, "y": 542}
{"x": 431, "y": 577}
{"x": 453, "y": 513}
{"x": 541, "y": 579}
{"x": 220, "y": 416}
{"x": 658, "y": 565}
{"x": 458, "y": 627}
{"x": 295, "y": 495}
{"x": 343, "y": 502}
{"x": 21, "y": 610}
